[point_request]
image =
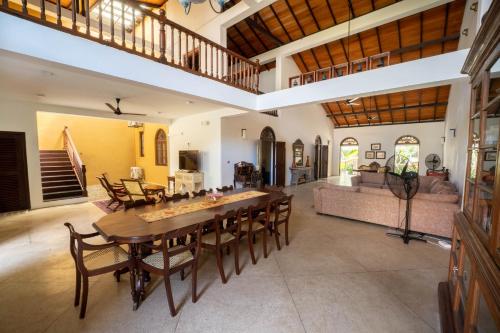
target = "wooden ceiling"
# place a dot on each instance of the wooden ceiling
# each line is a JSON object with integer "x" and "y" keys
{"x": 414, "y": 106}
{"x": 428, "y": 33}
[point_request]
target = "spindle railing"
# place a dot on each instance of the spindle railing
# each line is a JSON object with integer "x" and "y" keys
{"x": 76, "y": 162}
{"x": 127, "y": 26}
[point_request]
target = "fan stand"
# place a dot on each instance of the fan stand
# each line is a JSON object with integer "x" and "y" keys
{"x": 407, "y": 234}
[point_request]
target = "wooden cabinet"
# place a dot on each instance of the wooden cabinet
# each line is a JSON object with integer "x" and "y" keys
{"x": 188, "y": 181}
{"x": 470, "y": 299}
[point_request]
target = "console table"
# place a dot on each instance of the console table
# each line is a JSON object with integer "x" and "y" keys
{"x": 188, "y": 181}
{"x": 301, "y": 175}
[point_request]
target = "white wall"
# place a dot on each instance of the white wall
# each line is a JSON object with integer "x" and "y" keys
{"x": 455, "y": 147}
{"x": 298, "y": 123}
{"x": 429, "y": 135}
{"x": 198, "y": 132}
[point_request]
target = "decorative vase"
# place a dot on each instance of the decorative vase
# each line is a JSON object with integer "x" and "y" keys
{"x": 308, "y": 164}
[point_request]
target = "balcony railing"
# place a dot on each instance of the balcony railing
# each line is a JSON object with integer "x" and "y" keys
{"x": 128, "y": 26}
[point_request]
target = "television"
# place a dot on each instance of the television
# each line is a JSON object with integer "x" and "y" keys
{"x": 188, "y": 160}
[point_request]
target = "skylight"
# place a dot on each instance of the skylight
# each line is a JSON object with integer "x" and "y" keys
{"x": 117, "y": 13}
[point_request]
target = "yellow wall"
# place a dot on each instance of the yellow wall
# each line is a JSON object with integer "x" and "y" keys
{"x": 105, "y": 145}
{"x": 152, "y": 172}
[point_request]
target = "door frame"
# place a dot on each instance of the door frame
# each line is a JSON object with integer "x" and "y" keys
{"x": 23, "y": 158}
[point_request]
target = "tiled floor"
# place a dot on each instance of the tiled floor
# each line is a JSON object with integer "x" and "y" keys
{"x": 337, "y": 275}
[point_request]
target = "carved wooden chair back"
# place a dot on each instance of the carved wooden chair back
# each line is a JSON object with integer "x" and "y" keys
{"x": 167, "y": 260}
{"x": 100, "y": 259}
{"x": 282, "y": 211}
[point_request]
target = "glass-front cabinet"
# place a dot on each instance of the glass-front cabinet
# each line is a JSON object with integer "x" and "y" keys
{"x": 470, "y": 299}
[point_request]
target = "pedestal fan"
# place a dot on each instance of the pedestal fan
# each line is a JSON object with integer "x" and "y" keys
{"x": 404, "y": 185}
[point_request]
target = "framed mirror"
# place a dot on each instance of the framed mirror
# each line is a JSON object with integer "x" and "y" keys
{"x": 298, "y": 153}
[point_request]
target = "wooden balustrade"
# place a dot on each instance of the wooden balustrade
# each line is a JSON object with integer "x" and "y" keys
{"x": 76, "y": 162}
{"x": 127, "y": 26}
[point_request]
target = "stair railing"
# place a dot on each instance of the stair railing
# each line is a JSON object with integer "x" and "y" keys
{"x": 76, "y": 161}
{"x": 128, "y": 26}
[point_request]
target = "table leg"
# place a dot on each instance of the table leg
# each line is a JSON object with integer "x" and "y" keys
{"x": 135, "y": 292}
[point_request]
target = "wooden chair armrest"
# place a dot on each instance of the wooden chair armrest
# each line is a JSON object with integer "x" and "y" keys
{"x": 94, "y": 234}
{"x": 92, "y": 247}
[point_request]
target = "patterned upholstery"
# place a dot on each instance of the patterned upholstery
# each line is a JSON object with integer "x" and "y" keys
{"x": 255, "y": 226}
{"x": 105, "y": 257}
{"x": 211, "y": 238}
{"x": 156, "y": 259}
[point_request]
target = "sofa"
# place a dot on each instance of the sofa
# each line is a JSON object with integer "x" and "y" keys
{"x": 370, "y": 200}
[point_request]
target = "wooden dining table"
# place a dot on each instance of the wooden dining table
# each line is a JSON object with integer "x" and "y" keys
{"x": 127, "y": 227}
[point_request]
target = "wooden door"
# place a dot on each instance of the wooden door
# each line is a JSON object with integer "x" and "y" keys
{"x": 14, "y": 189}
{"x": 280, "y": 166}
{"x": 324, "y": 161}
{"x": 317, "y": 153}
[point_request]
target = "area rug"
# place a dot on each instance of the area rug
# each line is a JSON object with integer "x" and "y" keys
{"x": 102, "y": 205}
{"x": 199, "y": 205}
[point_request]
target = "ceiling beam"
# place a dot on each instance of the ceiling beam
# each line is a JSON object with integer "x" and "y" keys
{"x": 395, "y": 123}
{"x": 362, "y": 23}
{"x": 263, "y": 30}
{"x": 403, "y": 108}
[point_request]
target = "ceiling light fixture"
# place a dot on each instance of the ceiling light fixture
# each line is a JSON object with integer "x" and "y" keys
{"x": 218, "y": 7}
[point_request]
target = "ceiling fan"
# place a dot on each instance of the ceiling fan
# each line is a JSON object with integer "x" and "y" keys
{"x": 117, "y": 110}
{"x": 351, "y": 101}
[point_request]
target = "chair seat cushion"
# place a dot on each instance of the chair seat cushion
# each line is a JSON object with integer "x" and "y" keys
{"x": 255, "y": 226}
{"x": 211, "y": 238}
{"x": 105, "y": 257}
{"x": 156, "y": 259}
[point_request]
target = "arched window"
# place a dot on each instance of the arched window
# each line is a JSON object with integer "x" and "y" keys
{"x": 161, "y": 147}
{"x": 349, "y": 154}
{"x": 406, "y": 150}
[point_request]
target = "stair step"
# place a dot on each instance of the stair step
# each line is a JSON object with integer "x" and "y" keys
{"x": 48, "y": 151}
{"x": 52, "y": 183}
{"x": 70, "y": 176}
{"x": 60, "y": 154}
{"x": 62, "y": 188}
{"x": 57, "y": 168}
{"x": 53, "y": 158}
{"x": 62, "y": 195}
{"x": 55, "y": 163}
{"x": 46, "y": 173}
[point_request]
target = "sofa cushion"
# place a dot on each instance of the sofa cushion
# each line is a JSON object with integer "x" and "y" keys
{"x": 342, "y": 188}
{"x": 373, "y": 185}
{"x": 450, "y": 198}
{"x": 373, "y": 178}
{"x": 375, "y": 190}
{"x": 442, "y": 187}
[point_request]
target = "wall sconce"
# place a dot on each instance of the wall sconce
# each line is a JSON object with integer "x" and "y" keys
{"x": 454, "y": 130}
{"x": 473, "y": 6}
{"x": 244, "y": 133}
{"x": 465, "y": 32}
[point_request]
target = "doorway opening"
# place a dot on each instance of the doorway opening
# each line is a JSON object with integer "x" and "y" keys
{"x": 349, "y": 155}
{"x": 266, "y": 155}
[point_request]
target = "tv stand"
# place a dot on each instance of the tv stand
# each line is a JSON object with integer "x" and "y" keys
{"x": 188, "y": 181}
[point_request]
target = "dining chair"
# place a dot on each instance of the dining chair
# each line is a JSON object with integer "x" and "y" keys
{"x": 224, "y": 236}
{"x": 225, "y": 188}
{"x": 166, "y": 260}
{"x": 201, "y": 193}
{"x": 136, "y": 193}
{"x": 282, "y": 211}
{"x": 257, "y": 221}
{"x": 115, "y": 194}
{"x": 100, "y": 259}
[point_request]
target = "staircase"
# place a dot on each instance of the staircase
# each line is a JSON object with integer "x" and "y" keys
{"x": 59, "y": 180}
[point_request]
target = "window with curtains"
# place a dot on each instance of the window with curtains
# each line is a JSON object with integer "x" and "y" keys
{"x": 161, "y": 147}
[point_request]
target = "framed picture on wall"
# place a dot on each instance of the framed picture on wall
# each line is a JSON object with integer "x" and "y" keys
{"x": 376, "y": 146}
{"x": 380, "y": 155}
{"x": 490, "y": 156}
{"x": 294, "y": 81}
{"x": 369, "y": 155}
